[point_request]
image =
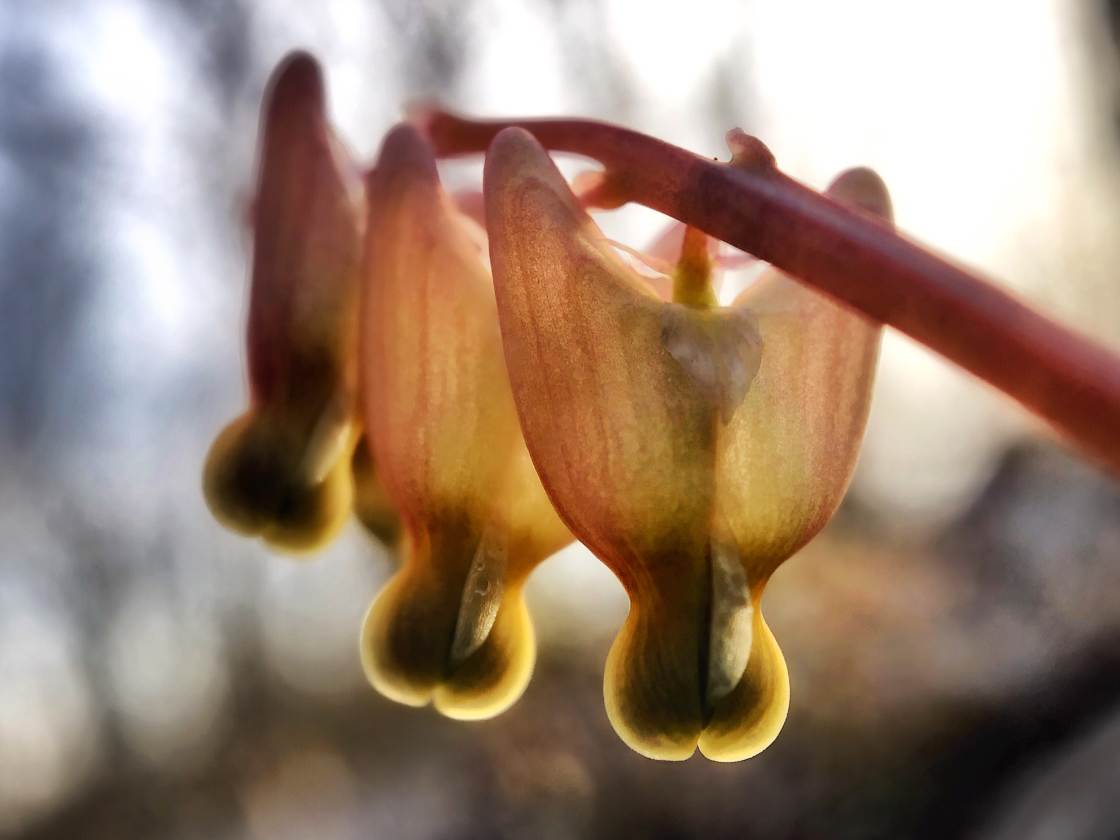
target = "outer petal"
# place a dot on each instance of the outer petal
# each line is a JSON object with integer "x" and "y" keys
{"x": 786, "y": 458}
{"x": 617, "y": 428}
{"x": 451, "y": 626}
{"x": 281, "y": 470}
{"x": 788, "y": 453}
{"x": 615, "y": 398}
{"x": 636, "y": 413}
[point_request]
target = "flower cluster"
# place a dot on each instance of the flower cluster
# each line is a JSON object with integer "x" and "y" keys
{"x": 481, "y": 394}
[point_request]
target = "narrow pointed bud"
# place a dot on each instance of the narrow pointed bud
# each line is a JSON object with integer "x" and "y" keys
{"x": 281, "y": 471}
{"x": 451, "y": 626}
{"x": 692, "y": 448}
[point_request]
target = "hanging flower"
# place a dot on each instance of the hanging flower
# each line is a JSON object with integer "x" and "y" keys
{"x": 281, "y": 471}
{"x": 692, "y": 447}
{"x": 451, "y": 627}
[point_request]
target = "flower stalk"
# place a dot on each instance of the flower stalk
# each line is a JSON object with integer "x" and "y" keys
{"x": 1068, "y": 380}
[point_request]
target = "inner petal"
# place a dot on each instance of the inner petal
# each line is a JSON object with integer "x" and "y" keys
{"x": 729, "y": 631}
{"x": 482, "y": 597}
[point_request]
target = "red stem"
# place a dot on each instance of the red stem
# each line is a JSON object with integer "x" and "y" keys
{"x": 1068, "y": 380}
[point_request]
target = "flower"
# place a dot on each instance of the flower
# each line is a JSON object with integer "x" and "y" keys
{"x": 451, "y": 627}
{"x": 281, "y": 471}
{"x": 692, "y": 447}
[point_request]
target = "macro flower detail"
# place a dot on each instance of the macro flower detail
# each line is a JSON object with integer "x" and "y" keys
{"x": 372, "y": 506}
{"x": 481, "y": 377}
{"x": 281, "y": 471}
{"x": 451, "y": 627}
{"x": 692, "y": 447}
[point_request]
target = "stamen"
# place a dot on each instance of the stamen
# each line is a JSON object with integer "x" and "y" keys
{"x": 729, "y": 633}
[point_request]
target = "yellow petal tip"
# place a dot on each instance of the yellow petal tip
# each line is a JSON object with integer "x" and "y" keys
{"x": 654, "y": 692}
{"x": 255, "y": 485}
{"x": 407, "y": 651}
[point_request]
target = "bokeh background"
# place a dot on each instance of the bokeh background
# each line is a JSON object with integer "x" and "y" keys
{"x": 953, "y": 636}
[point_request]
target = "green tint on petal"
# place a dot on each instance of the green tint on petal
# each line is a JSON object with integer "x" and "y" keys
{"x": 281, "y": 470}
{"x": 693, "y": 449}
{"x": 451, "y": 627}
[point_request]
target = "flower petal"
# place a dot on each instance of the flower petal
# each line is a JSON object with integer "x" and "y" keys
{"x": 281, "y": 470}
{"x": 788, "y": 453}
{"x": 786, "y": 459}
{"x": 616, "y": 425}
{"x": 451, "y": 626}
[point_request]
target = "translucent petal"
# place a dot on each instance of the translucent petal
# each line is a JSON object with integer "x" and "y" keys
{"x": 787, "y": 455}
{"x": 281, "y": 470}
{"x": 691, "y": 449}
{"x": 451, "y": 626}
{"x": 615, "y": 424}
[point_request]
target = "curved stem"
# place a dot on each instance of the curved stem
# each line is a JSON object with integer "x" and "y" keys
{"x": 1068, "y": 380}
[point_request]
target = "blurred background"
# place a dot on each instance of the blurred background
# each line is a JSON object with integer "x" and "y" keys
{"x": 953, "y": 637}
